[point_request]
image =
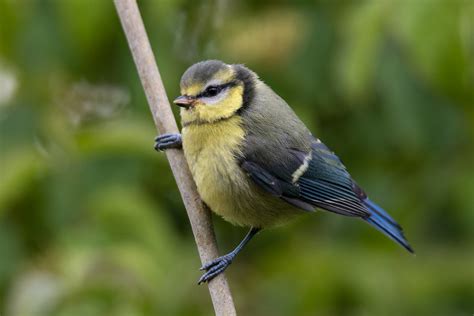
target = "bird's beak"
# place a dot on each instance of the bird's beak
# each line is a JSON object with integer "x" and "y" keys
{"x": 184, "y": 101}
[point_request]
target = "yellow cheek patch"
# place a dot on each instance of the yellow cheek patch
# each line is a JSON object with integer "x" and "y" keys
{"x": 226, "y": 108}
{"x": 203, "y": 113}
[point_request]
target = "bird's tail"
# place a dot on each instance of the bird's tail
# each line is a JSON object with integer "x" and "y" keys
{"x": 386, "y": 224}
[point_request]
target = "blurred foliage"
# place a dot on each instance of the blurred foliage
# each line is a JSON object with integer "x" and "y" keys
{"x": 91, "y": 222}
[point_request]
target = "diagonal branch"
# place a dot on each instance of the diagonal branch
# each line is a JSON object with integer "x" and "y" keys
{"x": 159, "y": 105}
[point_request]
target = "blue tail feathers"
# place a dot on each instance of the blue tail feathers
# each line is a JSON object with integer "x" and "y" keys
{"x": 386, "y": 224}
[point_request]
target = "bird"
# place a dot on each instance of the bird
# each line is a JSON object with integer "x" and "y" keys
{"x": 255, "y": 163}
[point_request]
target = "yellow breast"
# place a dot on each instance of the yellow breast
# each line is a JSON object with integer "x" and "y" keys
{"x": 211, "y": 150}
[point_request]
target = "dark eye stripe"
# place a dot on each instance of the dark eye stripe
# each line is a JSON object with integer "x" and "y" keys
{"x": 215, "y": 90}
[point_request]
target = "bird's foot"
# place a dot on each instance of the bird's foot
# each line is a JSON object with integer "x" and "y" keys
{"x": 215, "y": 267}
{"x": 167, "y": 141}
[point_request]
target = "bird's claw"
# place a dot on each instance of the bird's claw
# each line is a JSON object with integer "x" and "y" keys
{"x": 167, "y": 141}
{"x": 215, "y": 267}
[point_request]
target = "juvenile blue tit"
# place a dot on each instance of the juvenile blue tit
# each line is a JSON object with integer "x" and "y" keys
{"x": 255, "y": 163}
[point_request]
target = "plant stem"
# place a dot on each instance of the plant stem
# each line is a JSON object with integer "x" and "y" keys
{"x": 199, "y": 216}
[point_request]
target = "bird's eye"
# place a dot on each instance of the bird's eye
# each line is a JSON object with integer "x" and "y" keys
{"x": 212, "y": 91}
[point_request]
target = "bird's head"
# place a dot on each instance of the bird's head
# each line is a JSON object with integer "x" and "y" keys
{"x": 212, "y": 90}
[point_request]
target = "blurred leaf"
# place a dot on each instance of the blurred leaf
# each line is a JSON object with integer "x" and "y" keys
{"x": 439, "y": 47}
{"x": 18, "y": 171}
{"x": 363, "y": 32}
{"x": 283, "y": 30}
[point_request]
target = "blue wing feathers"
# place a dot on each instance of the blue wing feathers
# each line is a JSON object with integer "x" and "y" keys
{"x": 384, "y": 223}
{"x": 380, "y": 211}
{"x": 328, "y": 185}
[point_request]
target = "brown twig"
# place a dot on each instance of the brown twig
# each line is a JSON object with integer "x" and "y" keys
{"x": 159, "y": 105}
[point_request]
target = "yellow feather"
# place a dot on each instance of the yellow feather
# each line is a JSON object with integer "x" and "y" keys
{"x": 209, "y": 150}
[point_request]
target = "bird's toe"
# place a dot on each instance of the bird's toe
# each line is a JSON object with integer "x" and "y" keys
{"x": 214, "y": 268}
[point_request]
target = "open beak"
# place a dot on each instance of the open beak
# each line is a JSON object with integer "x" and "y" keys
{"x": 184, "y": 101}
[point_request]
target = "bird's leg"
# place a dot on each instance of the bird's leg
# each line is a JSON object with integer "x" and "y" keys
{"x": 167, "y": 141}
{"x": 218, "y": 265}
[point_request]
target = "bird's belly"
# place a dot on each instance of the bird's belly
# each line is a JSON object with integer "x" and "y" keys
{"x": 223, "y": 186}
{"x": 232, "y": 195}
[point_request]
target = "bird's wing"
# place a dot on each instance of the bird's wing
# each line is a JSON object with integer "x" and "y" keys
{"x": 307, "y": 180}
{"x": 319, "y": 179}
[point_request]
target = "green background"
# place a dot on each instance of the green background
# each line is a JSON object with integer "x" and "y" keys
{"x": 91, "y": 222}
